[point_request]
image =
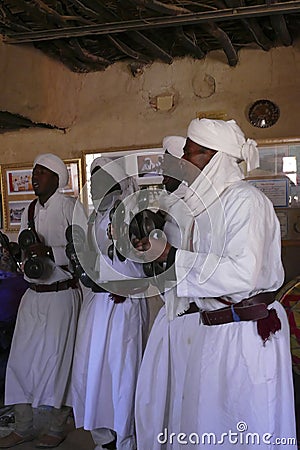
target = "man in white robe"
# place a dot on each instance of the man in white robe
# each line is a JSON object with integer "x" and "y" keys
{"x": 224, "y": 378}
{"x": 40, "y": 360}
{"x": 111, "y": 329}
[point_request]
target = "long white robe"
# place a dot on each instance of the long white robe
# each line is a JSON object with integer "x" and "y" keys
{"x": 108, "y": 352}
{"x": 39, "y": 365}
{"x": 198, "y": 379}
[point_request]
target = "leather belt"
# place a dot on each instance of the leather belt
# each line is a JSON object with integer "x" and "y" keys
{"x": 55, "y": 287}
{"x": 253, "y": 308}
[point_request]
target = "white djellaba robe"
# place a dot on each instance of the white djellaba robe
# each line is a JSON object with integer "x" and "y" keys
{"x": 108, "y": 352}
{"x": 220, "y": 385}
{"x": 40, "y": 360}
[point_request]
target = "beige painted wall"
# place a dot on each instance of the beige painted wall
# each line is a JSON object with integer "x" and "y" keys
{"x": 112, "y": 108}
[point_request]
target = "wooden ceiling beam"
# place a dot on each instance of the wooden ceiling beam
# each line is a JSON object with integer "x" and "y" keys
{"x": 281, "y": 29}
{"x": 224, "y": 41}
{"x": 189, "y": 44}
{"x": 8, "y": 19}
{"x": 160, "y": 7}
{"x": 252, "y": 25}
{"x": 155, "y": 49}
{"x": 136, "y": 36}
{"x": 129, "y": 51}
{"x": 144, "y": 41}
{"x": 210, "y": 27}
{"x": 85, "y": 55}
{"x": 279, "y": 24}
{"x": 52, "y": 13}
{"x": 157, "y": 22}
{"x": 258, "y": 35}
{"x": 67, "y": 55}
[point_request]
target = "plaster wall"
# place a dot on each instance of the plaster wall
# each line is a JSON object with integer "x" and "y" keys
{"x": 113, "y": 109}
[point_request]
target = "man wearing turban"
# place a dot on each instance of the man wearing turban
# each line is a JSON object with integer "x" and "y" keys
{"x": 219, "y": 347}
{"x": 39, "y": 364}
{"x": 112, "y": 326}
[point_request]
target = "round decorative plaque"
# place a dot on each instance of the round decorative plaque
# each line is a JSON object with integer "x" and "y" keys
{"x": 263, "y": 114}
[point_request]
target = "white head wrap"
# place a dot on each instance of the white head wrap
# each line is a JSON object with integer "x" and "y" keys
{"x": 54, "y": 163}
{"x": 112, "y": 167}
{"x": 174, "y": 145}
{"x": 115, "y": 168}
{"x": 225, "y": 137}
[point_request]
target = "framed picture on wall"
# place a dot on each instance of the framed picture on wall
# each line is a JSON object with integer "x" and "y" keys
{"x": 144, "y": 164}
{"x": 17, "y": 191}
{"x": 1, "y": 218}
{"x": 150, "y": 164}
{"x": 74, "y": 185}
{"x": 19, "y": 182}
{"x": 280, "y": 159}
{"x": 15, "y": 211}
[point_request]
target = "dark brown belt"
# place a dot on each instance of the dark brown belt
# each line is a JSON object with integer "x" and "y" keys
{"x": 55, "y": 287}
{"x": 253, "y": 308}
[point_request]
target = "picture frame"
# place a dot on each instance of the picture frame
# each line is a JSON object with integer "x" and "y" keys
{"x": 19, "y": 181}
{"x": 1, "y": 215}
{"x": 17, "y": 191}
{"x": 276, "y": 189}
{"x": 15, "y": 210}
{"x": 74, "y": 185}
{"x": 279, "y": 159}
{"x": 134, "y": 161}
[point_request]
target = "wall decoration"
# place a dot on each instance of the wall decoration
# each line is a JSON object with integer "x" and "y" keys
{"x": 278, "y": 176}
{"x": 150, "y": 165}
{"x": 263, "y": 113}
{"x": 1, "y": 218}
{"x": 74, "y": 185}
{"x": 15, "y": 211}
{"x": 19, "y": 182}
{"x": 214, "y": 115}
{"x": 144, "y": 164}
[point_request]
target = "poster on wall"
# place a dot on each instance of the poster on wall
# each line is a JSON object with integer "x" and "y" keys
{"x": 276, "y": 189}
{"x": 19, "y": 182}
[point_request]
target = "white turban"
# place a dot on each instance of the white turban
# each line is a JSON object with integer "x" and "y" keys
{"x": 174, "y": 145}
{"x": 225, "y": 137}
{"x": 54, "y": 163}
{"x": 115, "y": 168}
{"x": 112, "y": 167}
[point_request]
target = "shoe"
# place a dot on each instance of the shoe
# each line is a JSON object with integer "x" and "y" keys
{"x": 50, "y": 441}
{"x": 13, "y": 439}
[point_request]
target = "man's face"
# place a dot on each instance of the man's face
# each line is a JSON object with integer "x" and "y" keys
{"x": 172, "y": 175}
{"x": 102, "y": 183}
{"x": 196, "y": 155}
{"x": 44, "y": 181}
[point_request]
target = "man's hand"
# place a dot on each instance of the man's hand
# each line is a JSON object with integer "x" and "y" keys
{"x": 154, "y": 248}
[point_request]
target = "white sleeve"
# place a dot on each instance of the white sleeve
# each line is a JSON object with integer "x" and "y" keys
{"x": 59, "y": 250}
{"x": 249, "y": 263}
